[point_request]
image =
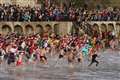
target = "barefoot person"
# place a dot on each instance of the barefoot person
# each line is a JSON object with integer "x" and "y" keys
{"x": 43, "y": 58}
{"x": 71, "y": 57}
{"x": 80, "y": 57}
{"x": 2, "y": 53}
{"x": 20, "y": 59}
{"x": 61, "y": 55}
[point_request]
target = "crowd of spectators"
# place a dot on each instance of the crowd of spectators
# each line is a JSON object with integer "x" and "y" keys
{"x": 57, "y": 13}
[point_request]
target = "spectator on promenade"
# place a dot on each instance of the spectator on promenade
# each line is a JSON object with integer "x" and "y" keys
{"x": 57, "y": 13}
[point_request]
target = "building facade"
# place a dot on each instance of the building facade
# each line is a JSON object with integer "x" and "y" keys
{"x": 61, "y": 28}
{"x": 35, "y": 27}
{"x": 20, "y": 2}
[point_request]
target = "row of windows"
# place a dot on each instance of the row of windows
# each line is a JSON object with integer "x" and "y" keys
{"x": 30, "y": 29}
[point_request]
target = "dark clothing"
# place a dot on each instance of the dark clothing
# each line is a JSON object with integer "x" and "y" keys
{"x": 6, "y": 56}
{"x": 1, "y": 53}
{"x": 79, "y": 59}
{"x": 94, "y": 60}
{"x": 60, "y": 56}
{"x": 11, "y": 58}
{"x": 94, "y": 57}
{"x": 43, "y": 57}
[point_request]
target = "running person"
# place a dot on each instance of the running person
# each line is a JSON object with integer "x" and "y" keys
{"x": 61, "y": 55}
{"x": 20, "y": 59}
{"x": 70, "y": 57}
{"x": 94, "y": 56}
{"x": 2, "y": 53}
{"x": 12, "y": 55}
{"x": 80, "y": 57}
{"x": 43, "y": 58}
